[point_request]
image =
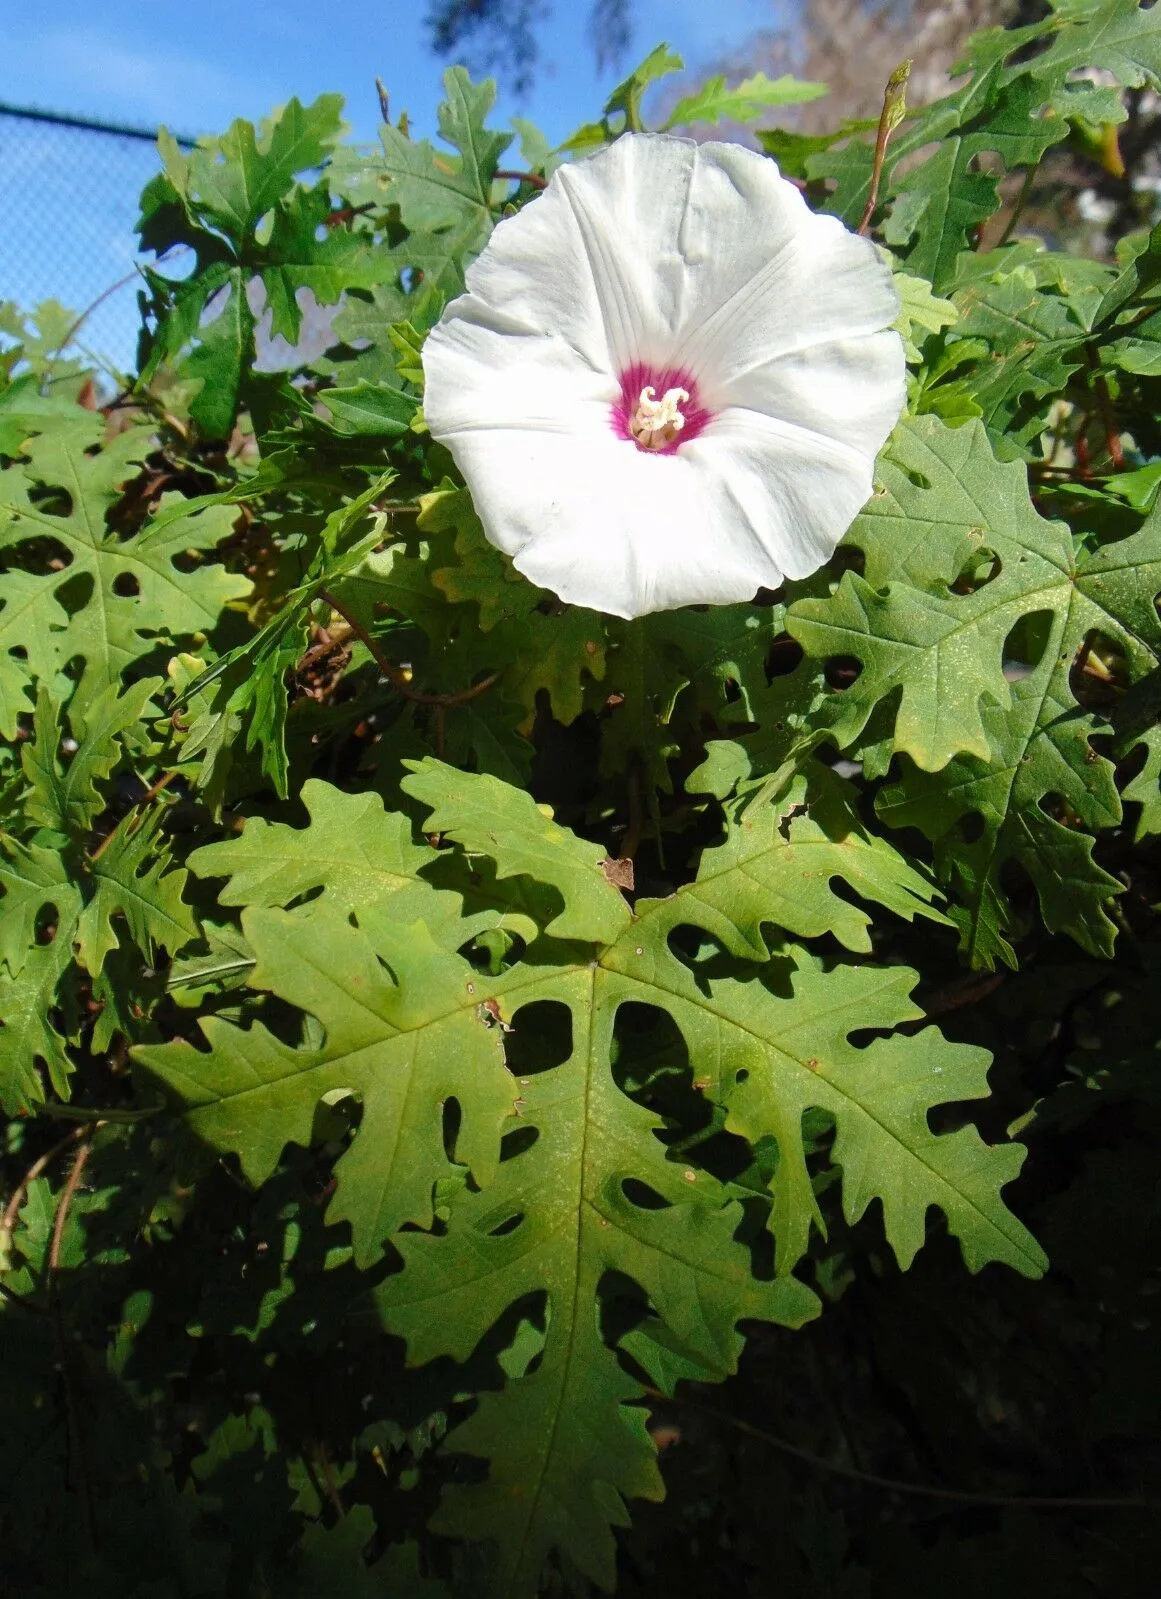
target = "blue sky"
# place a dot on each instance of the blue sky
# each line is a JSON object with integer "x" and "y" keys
{"x": 197, "y": 66}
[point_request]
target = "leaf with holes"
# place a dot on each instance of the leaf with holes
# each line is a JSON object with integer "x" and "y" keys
{"x": 936, "y": 205}
{"x": 31, "y": 619}
{"x": 1118, "y": 37}
{"x": 566, "y": 1442}
{"x": 790, "y": 849}
{"x": 556, "y": 1150}
{"x": 29, "y": 1034}
{"x": 239, "y": 202}
{"x": 35, "y": 882}
{"x": 354, "y": 854}
{"x": 1045, "y": 790}
{"x": 124, "y": 597}
{"x": 404, "y": 1031}
{"x": 948, "y": 513}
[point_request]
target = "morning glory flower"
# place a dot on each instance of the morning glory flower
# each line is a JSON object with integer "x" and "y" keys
{"x": 668, "y": 379}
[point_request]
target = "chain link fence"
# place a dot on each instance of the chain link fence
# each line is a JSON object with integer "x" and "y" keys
{"x": 68, "y": 202}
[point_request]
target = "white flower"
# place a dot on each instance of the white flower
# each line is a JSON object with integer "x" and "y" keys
{"x": 669, "y": 378}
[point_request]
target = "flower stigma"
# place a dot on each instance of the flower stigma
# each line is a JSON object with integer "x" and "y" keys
{"x": 657, "y": 422}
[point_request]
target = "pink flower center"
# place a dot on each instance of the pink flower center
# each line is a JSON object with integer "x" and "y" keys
{"x": 658, "y": 408}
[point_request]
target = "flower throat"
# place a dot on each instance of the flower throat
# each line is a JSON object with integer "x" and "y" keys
{"x": 658, "y": 408}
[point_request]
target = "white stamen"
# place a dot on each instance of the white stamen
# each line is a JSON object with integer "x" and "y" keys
{"x": 657, "y": 422}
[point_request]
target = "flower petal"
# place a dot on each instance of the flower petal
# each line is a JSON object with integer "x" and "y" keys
{"x": 665, "y": 257}
{"x": 795, "y": 490}
{"x": 606, "y": 525}
{"x": 817, "y": 284}
{"x": 851, "y": 390}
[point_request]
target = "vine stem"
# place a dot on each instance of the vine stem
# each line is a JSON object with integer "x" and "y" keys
{"x": 146, "y": 799}
{"x": 16, "y": 1199}
{"x": 76, "y": 1435}
{"x": 897, "y": 1484}
{"x": 533, "y": 178}
{"x": 1018, "y": 207}
{"x": 121, "y": 283}
{"x": 11, "y": 1209}
{"x": 393, "y": 674}
{"x": 631, "y": 841}
{"x": 893, "y": 112}
{"x": 1105, "y": 405}
{"x": 66, "y": 1199}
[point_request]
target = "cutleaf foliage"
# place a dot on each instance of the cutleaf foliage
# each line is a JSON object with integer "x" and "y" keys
{"x": 125, "y": 594}
{"x": 443, "y": 1031}
{"x": 557, "y": 1217}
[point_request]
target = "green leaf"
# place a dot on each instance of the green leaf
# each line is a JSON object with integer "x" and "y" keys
{"x": 353, "y": 855}
{"x": 234, "y": 181}
{"x": 222, "y": 964}
{"x": 1140, "y": 356}
{"x": 641, "y": 957}
{"x": 942, "y": 202}
{"x": 790, "y": 849}
{"x": 1037, "y": 340}
{"x": 566, "y": 1447}
{"x": 488, "y": 817}
{"x": 1115, "y": 36}
{"x": 1043, "y": 760}
{"x": 286, "y": 235}
{"x": 353, "y": 850}
{"x": 461, "y": 124}
{"x": 939, "y": 203}
{"x": 224, "y": 347}
{"x": 254, "y": 674}
{"x": 920, "y": 313}
{"x": 307, "y": 250}
{"x": 396, "y": 1035}
{"x": 532, "y": 641}
{"x": 65, "y": 797}
{"x": 405, "y": 1025}
{"x": 1073, "y": 890}
{"x": 713, "y": 101}
{"x": 945, "y": 508}
{"x": 370, "y": 410}
{"x": 556, "y": 653}
{"x": 131, "y": 591}
{"x": 625, "y": 99}
{"x": 431, "y": 189}
{"x": 30, "y": 617}
{"x": 480, "y": 572}
{"x": 330, "y": 1563}
{"x": 29, "y": 1034}
{"x": 24, "y": 411}
{"x": 33, "y": 879}
{"x": 792, "y": 150}
{"x": 134, "y": 877}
